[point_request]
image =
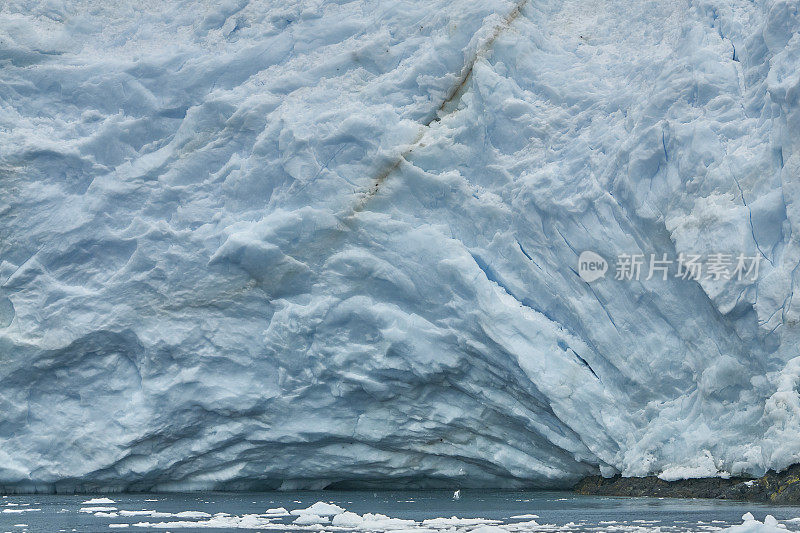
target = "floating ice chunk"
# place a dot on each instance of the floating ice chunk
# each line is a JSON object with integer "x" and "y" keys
{"x": 751, "y": 525}
{"x": 192, "y": 514}
{"x": 526, "y": 516}
{"x": 157, "y": 514}
{"x": 320, "y": 509}
{"x": 277, "y": 511}
{"x": 218, "y": 521}
{"x": 454, "y": 521}
{"x": 309, "y": 519}
{"x": 15, "y": 511}
{"x": 378, "y": 522}
{"x": 118, "y": 525}
{"x": 96, "y": 509}
{"x": 489, "y": 529}
{"x": 347, "y": 519}
{"x": 96, "y": 501}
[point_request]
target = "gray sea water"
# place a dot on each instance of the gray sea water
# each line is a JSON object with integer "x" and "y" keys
{"x": 490, "y": 510}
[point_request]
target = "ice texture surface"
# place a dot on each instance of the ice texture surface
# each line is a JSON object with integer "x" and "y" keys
{"x": 299, "y": 244}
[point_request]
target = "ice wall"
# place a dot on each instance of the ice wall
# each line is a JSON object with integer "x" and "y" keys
{"x": 309, "y": 244}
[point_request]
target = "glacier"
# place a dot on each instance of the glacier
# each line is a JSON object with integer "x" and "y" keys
{"x": 306, "y": 244}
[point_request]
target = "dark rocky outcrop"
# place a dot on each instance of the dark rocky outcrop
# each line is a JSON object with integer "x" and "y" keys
{"x": 774, "y": 487}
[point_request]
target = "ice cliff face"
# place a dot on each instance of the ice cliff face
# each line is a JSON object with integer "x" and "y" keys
{"x": 300, "y": 244}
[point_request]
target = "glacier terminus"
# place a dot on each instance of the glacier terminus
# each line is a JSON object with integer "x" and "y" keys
{"x": 306, "y": 244}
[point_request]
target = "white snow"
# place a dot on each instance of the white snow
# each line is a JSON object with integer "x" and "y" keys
{"x": 281, "y": 243}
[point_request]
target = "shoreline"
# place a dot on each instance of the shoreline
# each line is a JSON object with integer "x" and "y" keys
{"x": 773, "y": 487}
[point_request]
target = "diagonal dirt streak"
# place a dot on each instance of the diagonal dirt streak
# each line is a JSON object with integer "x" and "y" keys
{"x": 453, "y": 95}
{"x": 347, "y": 218}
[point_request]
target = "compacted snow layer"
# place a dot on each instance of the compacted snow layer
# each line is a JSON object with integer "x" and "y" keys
{"x": 253, "y": 244}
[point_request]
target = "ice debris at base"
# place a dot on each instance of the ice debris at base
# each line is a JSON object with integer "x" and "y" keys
{"x": 344, "y": 520}
{"x": 298, "y": 244}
